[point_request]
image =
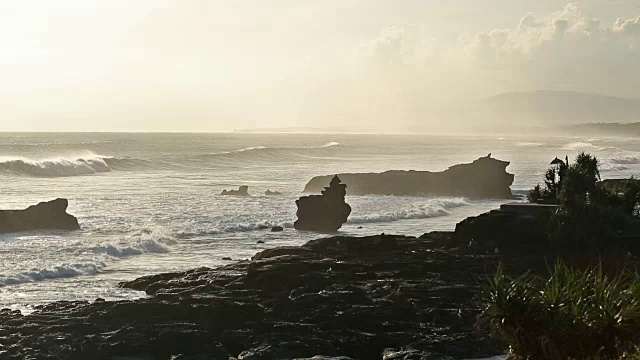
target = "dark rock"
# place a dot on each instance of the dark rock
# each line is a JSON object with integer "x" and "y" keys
{"x": 260, "y": 242}
{"x": 506, "y": 230}
{"x": 262, "y": 227}
{"x": 326, "y": 212}
{"x": 43, "y": 216}
{"x": 485, "y": 178}
{"x": 226, "y": 258}
{"x": 272, "y": 193}
{"x": 242, "y": 191}
{"x": 277, "y": 229}
{"x": 334, "y": 298}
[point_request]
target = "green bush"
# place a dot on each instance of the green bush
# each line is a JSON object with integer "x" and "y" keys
{"x": 580, "y": 315}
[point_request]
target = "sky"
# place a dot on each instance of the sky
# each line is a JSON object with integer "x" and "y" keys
{"x": 219, "y": 65}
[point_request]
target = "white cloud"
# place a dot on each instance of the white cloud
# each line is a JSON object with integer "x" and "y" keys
{"x": 566, "y": 50}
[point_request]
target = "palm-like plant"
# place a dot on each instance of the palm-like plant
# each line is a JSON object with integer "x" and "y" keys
{"x": 579, "y": 315}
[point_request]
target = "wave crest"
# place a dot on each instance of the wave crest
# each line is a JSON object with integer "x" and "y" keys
{"x": 138, "y": 243}
{"x": 265, "y": 148}
{"x": 432, "y": 208}
{"x": 626, "y": 160}
{"x": 66, "y": 166}
{"x": 54, "y": 272}
{"x": 55, "y": 167}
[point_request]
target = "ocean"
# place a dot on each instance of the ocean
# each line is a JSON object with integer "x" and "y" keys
{"x": 151, "y": 203}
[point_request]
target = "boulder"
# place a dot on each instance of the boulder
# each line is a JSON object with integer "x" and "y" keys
{"x": 272, "y": 193}
{"x": 43, "y": 216}
{"x": 326, "y": 212}
{"x": 509, "y": 228}
{"x": 485, "y": 178}
{"x": 277, "y": 229}
{"x": 242, "y": 191}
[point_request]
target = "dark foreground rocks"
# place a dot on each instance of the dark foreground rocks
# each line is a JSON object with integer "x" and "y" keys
{"x": 485, "y": 178}
{"x": 374, "y": 297}
{"x": 326, "y": 212}
{"x": 49, "y": 215}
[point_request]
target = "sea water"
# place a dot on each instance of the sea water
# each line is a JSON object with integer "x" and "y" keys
{"x": 151, "y": 203}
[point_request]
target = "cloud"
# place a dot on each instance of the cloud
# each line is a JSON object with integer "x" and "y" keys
{"x": 405, "y": 75}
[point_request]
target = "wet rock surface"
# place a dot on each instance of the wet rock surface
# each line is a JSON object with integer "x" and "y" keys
{"x": 326, "y": 212}
{"x": 51, "y": 215}
{"x": 484, "y": 178}
{"x": 374, "y": 297}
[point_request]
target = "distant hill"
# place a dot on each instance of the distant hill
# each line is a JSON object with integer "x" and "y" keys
{"x": 604, "y": 129}
{"x": 543, "y": 109}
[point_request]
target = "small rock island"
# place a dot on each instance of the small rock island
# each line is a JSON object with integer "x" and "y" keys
{"x": 485, "y": 178}
{"x": 242, "y": 191}
{"x": 49, "y": 215}
{"x": 326, "y": 212}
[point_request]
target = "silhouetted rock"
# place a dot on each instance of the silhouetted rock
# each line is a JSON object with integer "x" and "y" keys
{"x": 260, "y": 242}
{"x": 326, "y": 212}
{"x": 483, "y": 179}
{"x": 514, "y": 227}
{"x": 43, "y": 216}
{"x": 272, "y": 193}
{"x": 277, "y": 229}
{"x": 242, "y": 191}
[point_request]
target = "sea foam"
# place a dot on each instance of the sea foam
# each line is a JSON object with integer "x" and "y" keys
{"x": 53, "y": 272}
{"x": 432, "y": 208}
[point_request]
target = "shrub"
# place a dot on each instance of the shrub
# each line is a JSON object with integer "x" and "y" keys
{"x": 574, "y": 314}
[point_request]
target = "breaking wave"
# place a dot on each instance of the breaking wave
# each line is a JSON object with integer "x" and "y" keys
{"x": 137, "y": 243}
{"x": 54, "y": 272}
{"x": 579, "y": 146}
{"x": 588, "y": 146}
{"x": 432, "y": 208}
{"x": 264, "y": 148}
{"x": 626, "y": 160}
{"x": 530, "y": 144}
{"x": 66, "y": 166}
{"x": 237, "y": 228}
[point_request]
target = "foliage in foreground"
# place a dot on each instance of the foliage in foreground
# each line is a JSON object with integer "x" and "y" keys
{"x": 575, "y": 314}
{"x": 591, "y": 214}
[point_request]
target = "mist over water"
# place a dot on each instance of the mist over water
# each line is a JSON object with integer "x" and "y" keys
{"x": 150, "y": 203}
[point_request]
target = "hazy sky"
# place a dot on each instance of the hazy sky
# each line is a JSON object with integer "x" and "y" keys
{"x": 212, "y": 65}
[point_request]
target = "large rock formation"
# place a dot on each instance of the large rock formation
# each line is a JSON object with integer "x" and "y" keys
{"x": 485, "y": 178}
{"x": 43, "y": 216}
{"x": 326, "y": 212}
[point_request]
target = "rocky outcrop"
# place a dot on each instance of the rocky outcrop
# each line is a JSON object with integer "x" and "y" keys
{"x": 484, "y": 178}
{"x": 515, "y": 227}
{"x": 337, "y": 297}
{"x": 272, "y": 193}
{"x": 242, "y": 191}
{"x": 326, "y": 212}
{"x": 49, "y": 215}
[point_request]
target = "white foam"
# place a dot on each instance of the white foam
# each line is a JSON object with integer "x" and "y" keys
{"x": 432, "y": 208}
{"x": 627, "y": 160}
{"x": 54, "y": 272}
{"x": 137, "y": 243}
{"x": 55, "y": 167}
{"x": 258, "y": 148}
{"x": 578, "y": 146}
{"x": 530, "y": 144}
{"x": 236, "y": 228}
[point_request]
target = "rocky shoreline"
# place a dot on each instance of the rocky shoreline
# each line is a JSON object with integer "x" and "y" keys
{"x": 378, "y": 297}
